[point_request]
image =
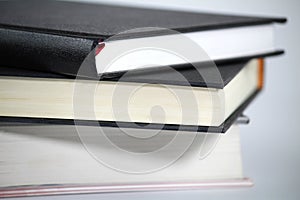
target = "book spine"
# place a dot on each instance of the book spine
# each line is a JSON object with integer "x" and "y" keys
{"x": 44, "y": 52}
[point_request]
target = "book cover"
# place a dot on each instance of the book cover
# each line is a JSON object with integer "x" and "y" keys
{"x": 186, "y": 79}
{"x": 31, "y": 36}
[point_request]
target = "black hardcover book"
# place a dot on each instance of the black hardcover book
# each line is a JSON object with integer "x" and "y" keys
{"x": 55, "y": 36}
{"x": 207, "y": 98}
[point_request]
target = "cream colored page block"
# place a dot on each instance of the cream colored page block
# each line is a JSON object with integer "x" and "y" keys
{"x": 129, "y": 102}
{"x": 248, "y": 79}
{"x": 54, "y": 99}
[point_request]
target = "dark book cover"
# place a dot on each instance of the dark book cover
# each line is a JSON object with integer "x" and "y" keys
{"x": 204, "y": 75}
{"x": 191, "y": 78}
{"x": 57, "y": 36}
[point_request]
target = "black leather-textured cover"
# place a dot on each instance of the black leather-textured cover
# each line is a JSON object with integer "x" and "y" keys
{"x": 56, "y": 36}
{"x": 97, "y": 20}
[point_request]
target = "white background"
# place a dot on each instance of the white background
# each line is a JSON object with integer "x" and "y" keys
{"x": 270, "y": 144}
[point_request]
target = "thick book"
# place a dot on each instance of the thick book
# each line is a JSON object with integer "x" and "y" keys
{"x": 208, "y": 98}
{"x": 57, "y": 36}
{"x": 51, "y": 160}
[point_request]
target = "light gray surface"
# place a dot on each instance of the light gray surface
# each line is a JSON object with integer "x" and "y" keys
{"x": 270, "y": 143}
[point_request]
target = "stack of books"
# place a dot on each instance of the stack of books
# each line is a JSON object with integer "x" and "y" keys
{"x": 99, "y": 98}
